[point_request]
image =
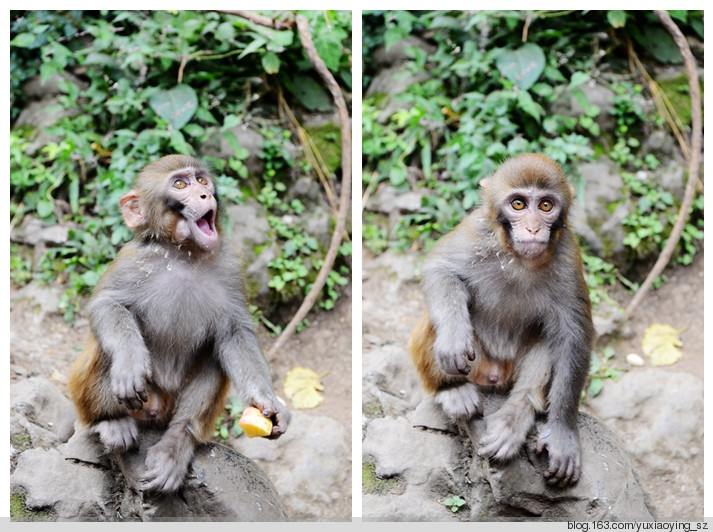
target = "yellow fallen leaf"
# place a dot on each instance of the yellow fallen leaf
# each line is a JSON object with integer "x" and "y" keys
{"x": 302, "y": 386}
{"x": 661, "y": 343}
{"x": 254, "y": 423}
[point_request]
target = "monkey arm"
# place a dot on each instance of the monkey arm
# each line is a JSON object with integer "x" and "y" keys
{"x": 119, "y": 339}
{"x": 571, "y": 346}
{"x": 243, "y": 361}
{"x": 448, "y": 299}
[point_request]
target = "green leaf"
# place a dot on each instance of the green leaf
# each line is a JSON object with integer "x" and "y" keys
{"x": 595, "y": 386}
{"x": 258, "y": 43}
{"x": 578, "y": 78}
{"x": 310, "y": 93}
{"x": 391, "y": 37}
{"x": 176, "y": 106}
{"x": 271, "y": 63}
{"x": 23, "y": 40}
{"x": 44, "y": 208}
{"x": 530, "y": 106}
{"x": 617, "y": 19}
{"x": 522, "y": 66}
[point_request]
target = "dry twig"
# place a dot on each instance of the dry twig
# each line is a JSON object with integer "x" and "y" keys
{"x": 693, "y": 161}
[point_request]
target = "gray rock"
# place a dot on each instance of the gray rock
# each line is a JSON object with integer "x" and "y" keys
{"x": 44, "y": 406}
{"x": 657, "y": 412}
{"x": 33, "y": 232}
{"x": 435, "y": 460}
{"x": 596, "y": 94}
{"x": 427, "y": 463}
{"x": 248, "y": 138}
{"x": 307, "y": 482}
{"x": 608, "y": 490}
{"x": 398, "y": 52}
{"x": 67, "y": 490}
{"x": 75, "y": 482}
{"x": 594, "y": 220}
{"x": 388, "y": 200}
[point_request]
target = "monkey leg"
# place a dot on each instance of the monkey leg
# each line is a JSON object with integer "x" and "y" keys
{"x": 560, "y": 434}
{"x": 198, "y": 405}
{"x": 507, "y": 427}
{"x": 459, "y": 398}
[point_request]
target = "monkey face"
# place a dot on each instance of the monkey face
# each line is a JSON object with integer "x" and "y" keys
{"x": 529, "y": 216}
{"x": 174, "y": 200}
{"x": 190, "y": 194}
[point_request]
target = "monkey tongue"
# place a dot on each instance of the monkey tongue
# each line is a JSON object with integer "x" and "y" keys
{"x": 206, "y": 235}
{"x": 206, "y": 224}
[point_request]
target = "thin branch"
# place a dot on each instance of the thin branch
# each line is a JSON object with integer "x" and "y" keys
{"x": 262, "y": 20}
{"x": 693, "y": 162}
{"x": 345, "y": 195}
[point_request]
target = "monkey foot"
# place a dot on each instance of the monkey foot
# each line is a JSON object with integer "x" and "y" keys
{"x": 564, "y": 455}
{"x": 460, "y": 402}
{"x": 118, "y": 434}
{"x": 504, "y": 437}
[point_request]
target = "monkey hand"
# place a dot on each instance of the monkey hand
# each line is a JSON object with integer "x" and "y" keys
{"x": 563, "y": 447}
{"x": 277, "y": 412}
{"x": 128, "y": 382}
{"x": 454, "y": 352}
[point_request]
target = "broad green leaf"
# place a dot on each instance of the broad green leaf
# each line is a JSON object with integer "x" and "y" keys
{"x": 271, "y": 63}
{"x": 311, "y": 94}
{"x": 617, "y": 19}
{"x": 23, "y": 40}
{"x": 176, "y": 106}
{"x": 522, "y": 66}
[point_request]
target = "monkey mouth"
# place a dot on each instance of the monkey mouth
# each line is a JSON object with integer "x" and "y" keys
{"x": 530, "y": 248}
{"x": 206, "y": 223}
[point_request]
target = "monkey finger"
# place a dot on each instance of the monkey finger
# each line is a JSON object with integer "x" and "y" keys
{"x": 132, "y": 403}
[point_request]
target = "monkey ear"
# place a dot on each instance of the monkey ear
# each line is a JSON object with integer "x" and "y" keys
{"x": 485, "y": 183}
{"x": 131, "y": 210}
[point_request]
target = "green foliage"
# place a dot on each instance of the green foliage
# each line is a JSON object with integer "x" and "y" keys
{"x": 647, "y": 229}
{"x": 133, "y": 86}
{"x": 601, "y": 369}
{"x": 454, "y": 503}
{"x": 482, "y": 101}
{"x": 488, "y": 85}
{"x": 227, "y": 423}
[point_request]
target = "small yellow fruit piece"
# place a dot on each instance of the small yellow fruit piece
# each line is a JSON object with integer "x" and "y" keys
{"x": 254, "y": 423}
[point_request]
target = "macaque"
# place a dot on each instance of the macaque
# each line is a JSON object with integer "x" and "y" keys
{"x": 505, "y": 290}
{"x": 170, "y": 328}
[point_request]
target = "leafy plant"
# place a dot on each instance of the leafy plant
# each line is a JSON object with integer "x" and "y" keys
{"x": 133, "y": 85}
{"x": 601, "y": 369}
{"x": 227, "y": 423}
{"x": 454, "y": 503}
{"x": 648, "y": 227}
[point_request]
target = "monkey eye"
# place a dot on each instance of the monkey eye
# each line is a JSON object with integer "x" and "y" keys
{"x": 202, "y": 180}
{"x": 518, "y": 204}
{"x": 179, "y": 183}
{"x": 546, "y": 205}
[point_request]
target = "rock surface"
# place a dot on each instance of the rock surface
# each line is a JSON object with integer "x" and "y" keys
{"x": 73, "y": 481}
